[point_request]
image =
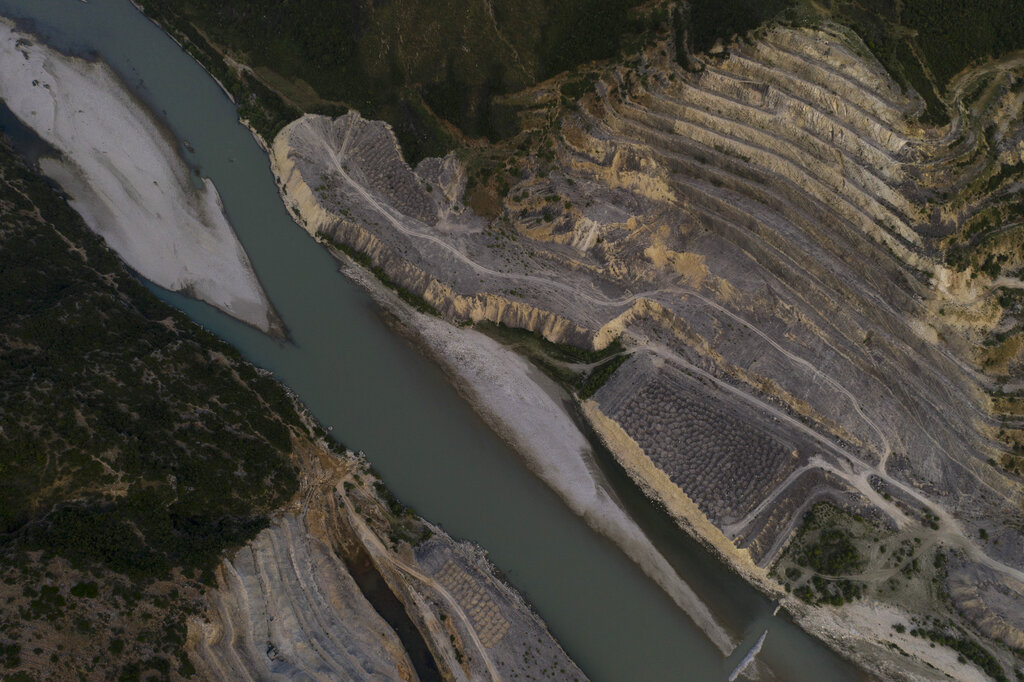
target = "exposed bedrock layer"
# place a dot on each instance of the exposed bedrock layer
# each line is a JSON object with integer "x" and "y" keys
{"x": 313, "y": 138}
{"x": 288, "y": 607}
{"x": 767, "y": 232}
{"x": 125, "y": 177}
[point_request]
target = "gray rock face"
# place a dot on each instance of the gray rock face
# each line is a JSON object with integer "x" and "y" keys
{"x": 766, "y": 233}
{"x": 289, "y": 609}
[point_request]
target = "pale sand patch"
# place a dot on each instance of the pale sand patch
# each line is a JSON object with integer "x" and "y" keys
{"x": 862, "y": 627}
{"x": 126, "y": 179}
{"x": 517, "y": 403}
{"x": 690, "y": 266}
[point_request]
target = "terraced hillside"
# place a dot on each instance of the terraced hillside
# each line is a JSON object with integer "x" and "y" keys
{"x": 322, "y": 592}
{"x": 819, "y": 290}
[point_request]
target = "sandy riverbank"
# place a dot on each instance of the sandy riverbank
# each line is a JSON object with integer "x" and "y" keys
{"x": 519, "y": 403}
{"x": 125, "y": 177}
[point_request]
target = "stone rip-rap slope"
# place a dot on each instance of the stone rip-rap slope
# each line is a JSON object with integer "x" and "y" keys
{"x": 773, "y": 235}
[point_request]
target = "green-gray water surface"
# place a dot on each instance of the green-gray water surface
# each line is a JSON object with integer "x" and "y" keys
{"x": 382, "y": 397}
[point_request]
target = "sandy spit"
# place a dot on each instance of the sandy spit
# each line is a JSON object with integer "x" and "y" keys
{"x": 125, "y": 177}
{"x": 517, "y": 402}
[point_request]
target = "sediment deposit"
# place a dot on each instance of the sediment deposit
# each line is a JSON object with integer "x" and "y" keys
{"x": 769, "y": 232}
{"x": 125, "y": 177}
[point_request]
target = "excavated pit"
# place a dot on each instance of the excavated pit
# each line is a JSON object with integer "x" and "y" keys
{"x": 373, "y": 586}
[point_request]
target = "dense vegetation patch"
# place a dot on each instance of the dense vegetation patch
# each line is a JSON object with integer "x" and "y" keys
{"x": 134, "y": 447}
{"x": 415, "y": 300}
{"x": 564, "y": 352}
{"x": 557, "y": 360}
{"x": 825, "y": 556}
{"x": 832, "y": 554}
{"x": 599, "y": 376}
{"x": 968, "y": 649}
{"x": 405, "y": 61}
{"x": 952, "y": 34}
{"x": 711, "y": 20}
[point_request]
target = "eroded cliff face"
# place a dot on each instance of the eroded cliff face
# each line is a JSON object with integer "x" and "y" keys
{"x": 792, "y": 259}
{"x": 287, "y": 605}
{"x": 371, "y": 154}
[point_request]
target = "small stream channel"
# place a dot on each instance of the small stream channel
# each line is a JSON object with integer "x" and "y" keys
{"x": 373, "y": 586}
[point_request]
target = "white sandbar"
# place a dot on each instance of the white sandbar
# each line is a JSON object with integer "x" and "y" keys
{"x": 126, "y": 178}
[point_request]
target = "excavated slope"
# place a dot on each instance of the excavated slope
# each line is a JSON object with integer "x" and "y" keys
{"x": 767, "y": 234}
{"x": 287, "y": 605}
{"x": 287, "y": 608}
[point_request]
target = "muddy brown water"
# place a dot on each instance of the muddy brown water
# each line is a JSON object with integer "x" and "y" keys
{"x": 382, "y": 397}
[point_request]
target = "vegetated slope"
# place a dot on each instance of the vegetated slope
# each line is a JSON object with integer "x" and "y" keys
{"x": 783, "y": 243}
{"x": 925, "y": 43}
{"x": 420, "y": 65}
{"x": 135, "y": 448}
{"x": 436, "y": 71}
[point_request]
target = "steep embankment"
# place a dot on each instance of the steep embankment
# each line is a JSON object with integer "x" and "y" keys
{"x": 287, "y": 604}
{"x": 369, "y": 151}
{"x": 134, "y": 449}
{"x": 321, "y": 627}
{"x": 770, "y": 232}
{"x": 126, "y": 178}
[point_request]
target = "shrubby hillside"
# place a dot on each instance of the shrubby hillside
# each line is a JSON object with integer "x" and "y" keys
{"x": 134, "y": 449}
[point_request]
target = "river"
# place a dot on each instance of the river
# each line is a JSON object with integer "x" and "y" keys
{"x": 382, "y": 397}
